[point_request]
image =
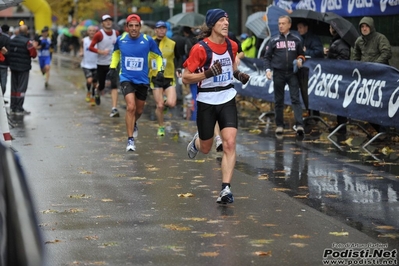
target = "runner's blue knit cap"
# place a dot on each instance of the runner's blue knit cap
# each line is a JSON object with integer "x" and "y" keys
{"x": 213, "y": 15}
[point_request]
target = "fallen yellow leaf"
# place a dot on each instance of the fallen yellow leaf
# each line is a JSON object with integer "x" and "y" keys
{"x": 299, "y": 236}
{"x": 49, "y": 211}
{"x": 299, "y": 245}
{"x": 331, "y": 196}
{"x": 108, "y": 244}
{"x": 207, "y": 235}
{"x": 386, "y": 150}
{"x": 107, "y": 200}
{"x": 393, "y": 236}
{"x": 349, "y": 141}
{"x": 263, "y": 177}
{"x": 52, "y": 242}
{"x": 195, "y": 219}
{"x": 385, "y": 227}
{"x": 176, "y": 227}
{"x": 261, "y": 242}
{"x": 269, "y": 225}
{"x": 185, "y": 195}
{"x": 339, "y": 233}
{"x": 281, "y": 189}
{"x": 85, "y": 173}
{"x": 91, "y": 237}
{"x": 74, "y": 210}
{"x": 264, "y": 253}
{"x": 301, "y": 196}
{"x": 209, "y": 254}
{"x": 137, "y": 178}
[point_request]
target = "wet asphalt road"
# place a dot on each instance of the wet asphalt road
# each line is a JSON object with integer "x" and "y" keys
{"x": 98, "y": 205}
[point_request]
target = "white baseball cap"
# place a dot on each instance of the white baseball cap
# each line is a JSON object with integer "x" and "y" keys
{"x": 105, "y": 17}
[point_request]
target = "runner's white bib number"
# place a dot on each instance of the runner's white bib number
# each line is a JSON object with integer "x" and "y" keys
{"x": 134, "y": 63}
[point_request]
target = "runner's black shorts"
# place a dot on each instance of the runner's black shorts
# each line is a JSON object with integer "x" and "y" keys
{"x": 207, "y": 116}
{"x": 140, "y": 90}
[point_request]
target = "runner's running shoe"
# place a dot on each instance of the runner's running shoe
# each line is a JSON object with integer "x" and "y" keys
{"x": 218, "y": 144}
{"x": 92, "y": 102}
{"x": 225, "y": 196}
{"x": 114, "y": 113}
{"x": 130, "y": 145}
{"x": 161, "y": 131}
{"x": 88, "y": 96}
{"x": 191, "y": 150}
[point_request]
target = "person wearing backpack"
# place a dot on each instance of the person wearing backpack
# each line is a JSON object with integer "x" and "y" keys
{"x": 211, "y": 64}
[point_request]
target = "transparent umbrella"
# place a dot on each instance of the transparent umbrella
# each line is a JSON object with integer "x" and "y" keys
{"x": 265, "y": 24}
{"x": 187, "y": 19}
{"x": 7, "y": 3}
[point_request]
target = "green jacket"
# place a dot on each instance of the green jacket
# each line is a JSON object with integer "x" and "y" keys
{"x": 374, "y": 47}
{"x": 248, "y": 46}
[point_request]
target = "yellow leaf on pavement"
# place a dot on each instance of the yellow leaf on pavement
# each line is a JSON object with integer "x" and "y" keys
{"x": 281, "y": 189}
{"x": 195, "y": 219}
{"x": 176, "y": 227}
{"x": 393, "y": 236}
{"x": 264, "y": 253}
{"x": 185, "y": 195}
{"x": 107, "y": 200}
{"x": 207, "y": 235}
{"x": 299, "y": 245}
{"x": 300, "y": 236}
{"x": 209, "y": 254}
{"x": 339, "y": 233}
{"x": 52, "y": 241}
{"x": 385, "y": 227}
{"x": 255, "y": 131}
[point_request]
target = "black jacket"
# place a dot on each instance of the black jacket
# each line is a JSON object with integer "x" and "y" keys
{"x": 18, "y": 54}
{"x": 4, "y": 42}
{"x": 282, "y": 50}
{"x": 339, "y": 49}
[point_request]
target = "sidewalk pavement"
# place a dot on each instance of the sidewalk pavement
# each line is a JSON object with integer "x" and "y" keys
{"x": 98, "y": 205}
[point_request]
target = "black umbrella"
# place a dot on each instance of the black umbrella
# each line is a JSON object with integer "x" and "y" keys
{"x": 315, "y": 21}
{"x": 344, "y": 28}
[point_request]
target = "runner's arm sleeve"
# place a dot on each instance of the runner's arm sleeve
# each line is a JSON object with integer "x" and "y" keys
{"x": 116, "y": 56}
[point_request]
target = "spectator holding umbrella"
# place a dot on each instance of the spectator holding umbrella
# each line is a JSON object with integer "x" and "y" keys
{"x": 340, "y": 50}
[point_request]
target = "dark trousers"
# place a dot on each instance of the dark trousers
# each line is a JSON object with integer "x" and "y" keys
{"x": 19, "y": 85}
{"x": 3, "y": 79}
{"x": 280, "y": 79}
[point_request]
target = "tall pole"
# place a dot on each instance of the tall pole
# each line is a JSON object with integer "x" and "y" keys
{"x": 115, "y": 12}
{"x": 171, "y": 5}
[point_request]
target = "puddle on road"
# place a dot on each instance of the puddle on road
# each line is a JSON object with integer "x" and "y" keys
{"x": 357, "y": 187}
